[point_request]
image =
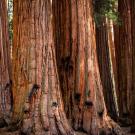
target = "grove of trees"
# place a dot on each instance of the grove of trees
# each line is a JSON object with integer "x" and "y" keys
{"x": 67, "y": 67}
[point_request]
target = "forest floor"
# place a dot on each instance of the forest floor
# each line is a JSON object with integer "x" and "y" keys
{"x": 127, "y": 131}
{"x": 3, "y": 131}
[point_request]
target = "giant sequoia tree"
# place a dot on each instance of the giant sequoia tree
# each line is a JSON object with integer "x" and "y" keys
{"x": 36, "y": 91}
{"x": 124, "y": 58}
{"x": 5, "y": 84}
{"x": 105, "y": 50}
{"x": 133, "y": 60}
{"x": 77, "y": 59}
{"x": 58, "y": 39}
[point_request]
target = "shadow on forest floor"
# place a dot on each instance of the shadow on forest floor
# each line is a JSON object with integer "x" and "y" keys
{"x": 3, "y": 131}
{"x": 127, "y": 131}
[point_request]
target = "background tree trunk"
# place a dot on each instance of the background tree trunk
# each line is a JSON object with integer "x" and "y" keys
{"x": 133, "y": 65}
{"x": 124, "y": 59}
{"x": 104, "y": 45}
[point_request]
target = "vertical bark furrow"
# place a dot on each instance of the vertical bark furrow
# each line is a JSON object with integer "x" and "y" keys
{"x": 42, "y": 112}
{"x": 5, "y": 67}
{"x": 124, "y": 57}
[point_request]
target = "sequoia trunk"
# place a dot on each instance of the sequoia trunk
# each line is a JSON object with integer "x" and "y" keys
{"x": 36, "y": 92}
{"x": 123, "y": 44}
{"x": 5, "y": 83}
{"x": 77, "y": 61}
{"x": 133, "y": 67}
{"x": 105, "y": 59}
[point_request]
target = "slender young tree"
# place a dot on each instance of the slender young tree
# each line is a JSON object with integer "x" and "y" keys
{"x": 5, "y": 83}
{"x": 36, "y": 92}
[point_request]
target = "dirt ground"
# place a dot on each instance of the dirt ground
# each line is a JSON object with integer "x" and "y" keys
{"x": 3, "y": 131}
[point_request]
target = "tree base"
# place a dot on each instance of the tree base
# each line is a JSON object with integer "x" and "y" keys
{"x": 111, "y": 128}
{"x": 132, "y": 129}
{"x": 2, "y": 123}
{"x": 125, "y": 122}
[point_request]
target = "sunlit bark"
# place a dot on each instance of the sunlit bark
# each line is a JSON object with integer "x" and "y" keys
{"x": 112, "y": 53}
{"x": 36, "y": 93}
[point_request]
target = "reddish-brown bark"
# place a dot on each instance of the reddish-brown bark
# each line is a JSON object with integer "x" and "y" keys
{"x": 133, "y": 65}
{"x": 78, "y": 67}
{"x": 68, "y": 31}
{"x": 123, "y": 45}
{"x": 5, "y": 83}
{"x": 36, "y": 93}
{"x": 106, "y": 66}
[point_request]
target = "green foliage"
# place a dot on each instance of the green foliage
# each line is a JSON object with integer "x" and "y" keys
{"x": 105, "y": 8}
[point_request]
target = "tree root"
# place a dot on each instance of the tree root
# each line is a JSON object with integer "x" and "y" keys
{"x": 37, "y": 122}
{"x": 111, "y": 128}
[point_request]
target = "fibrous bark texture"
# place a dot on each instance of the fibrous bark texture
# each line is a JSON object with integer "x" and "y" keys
{"x": 78, "y": 67}
{"x": 123, "y": 44}
{"x": 105, "y": 60}
{"x": 133, "y": 67}
{"x": 36, "y": 92}
{"x": 5, "y": 83}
